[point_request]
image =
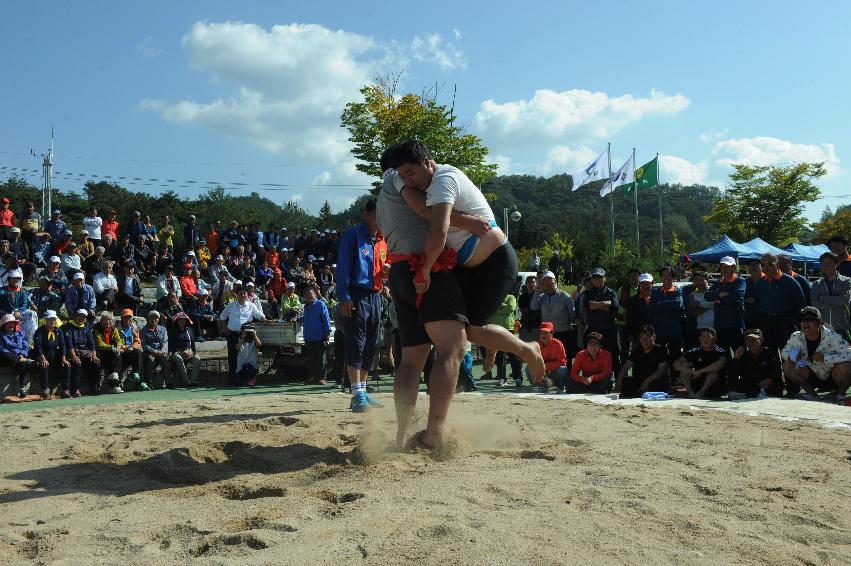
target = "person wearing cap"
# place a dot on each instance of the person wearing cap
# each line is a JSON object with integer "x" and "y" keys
{"x": 814, "y": 356}
{"x": 839, "y": 246}
{"x": 555, "y": 359}
{"x": 291, "y": 306}
{"x": 203, "y": 254}
{"x": 7, "y": 219}
{"x": 235, "y": 314}
{"x": 556, "y": 307}
{"x": 44, "y": 298}
{"x": 191, "y": 233}
{"x": 30, "y": 223}
{"x": 253, "y": 297}
{"x": 638, "y": 309}
{"x": 728, "y": 296}
{"x": 591, "y": 371}
{"x": 702, "y": 369}
{"x": 831, "y": 295}
{"x": 331, "y": 245}
{"x": 201, "y": 314}
{"x": 155, "y": 353}
{"x": 219, "y": 265}
{"x": 49, "y": 354}
{"x": 784, "y": 264}
{"x": 779, "y": 298}
{"x": 598, "y": 308}
{"x": 21, "y": 251}
{"x": 754, "y": 370}
{"x": 81, "y": 353}
{"x": 57, "y": 278}
{"x": 93, "y": 223}
{"x": 285, "y": 261}
{"x": 106, "y": 287}
{"x": 14, "y": 352}
{"x": 14, "y": 298}
{"x": 71, "y": 260}
{"x": 129, "y": 288}
{"x": 666, "y": 312}
{"x": 181, "y": 343}
{"x": 109, "y": 345}
{"x": 359, "y": 281}
{"x": 649, "y": 365}
{"x": 188, "y": 262}
{"x": 80, "y": 295}
{"x": 110, "y": 226}
{"x": 41, "y": 248}
{"x": 56, "y": 227}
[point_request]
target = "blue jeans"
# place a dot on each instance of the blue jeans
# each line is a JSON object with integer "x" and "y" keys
{"x": 559, "y": 376}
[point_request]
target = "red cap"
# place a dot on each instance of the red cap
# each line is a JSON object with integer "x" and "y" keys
{"x": 546, "y": 327}
{"x": 5, "y": 200}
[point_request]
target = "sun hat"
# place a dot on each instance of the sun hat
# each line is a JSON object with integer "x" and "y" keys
{"x": 50, "y": 314}
{"x": 16, "y": 274}
{"x": 7, "y": 318}
{"x": 182, "y": 315}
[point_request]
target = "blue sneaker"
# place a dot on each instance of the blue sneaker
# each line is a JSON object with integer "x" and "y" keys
{"x": 360, "y": 403}
{"x": 374, "y": 402}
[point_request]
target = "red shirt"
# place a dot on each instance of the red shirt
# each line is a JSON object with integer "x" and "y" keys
{"x": 276, "y": 289}
{"x": 598, "y": 369}
{"x": 109, "y": 227}
{"x": 273, "y": 259}
{"x": 553, "y": 354}
{"x": 212, "y": 241}
{"x": 7, "y": 217}
{"x": 187, "y": 285}
{"x": 379, "y": 258}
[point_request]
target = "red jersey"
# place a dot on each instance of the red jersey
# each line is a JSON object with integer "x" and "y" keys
{"x": 7, "y": 217}
{"x": 109, "y": 227}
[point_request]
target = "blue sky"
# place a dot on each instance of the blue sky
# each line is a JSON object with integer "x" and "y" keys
{"x": 251, "y": 92}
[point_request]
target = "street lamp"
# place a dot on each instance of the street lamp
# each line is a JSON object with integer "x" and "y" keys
{"x": 515, "y": 216}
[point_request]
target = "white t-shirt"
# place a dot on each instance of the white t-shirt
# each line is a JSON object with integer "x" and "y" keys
{"x": 93, "y": 224}
{"x": 450, "y": 185}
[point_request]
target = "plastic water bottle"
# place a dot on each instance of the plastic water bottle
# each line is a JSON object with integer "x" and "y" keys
{"x": 762, "y": 393}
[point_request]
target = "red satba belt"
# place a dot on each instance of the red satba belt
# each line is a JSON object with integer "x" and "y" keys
{"x": 447, "y": 259}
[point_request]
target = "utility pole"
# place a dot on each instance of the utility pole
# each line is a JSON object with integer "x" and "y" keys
{"x": 47, "y": 185}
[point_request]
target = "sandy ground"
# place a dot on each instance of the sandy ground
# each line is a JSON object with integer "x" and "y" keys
{"x": 301, "y": 480}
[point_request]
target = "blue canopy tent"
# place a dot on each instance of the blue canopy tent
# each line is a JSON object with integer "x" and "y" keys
{"x": 809, "y": 254}
{"x": 723, "y": 247}
{"x": 760, "y": 247}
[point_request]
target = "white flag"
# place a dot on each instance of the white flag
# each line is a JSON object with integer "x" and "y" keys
{"x": 623, "y": 176}
{"x": 594, "y": 171}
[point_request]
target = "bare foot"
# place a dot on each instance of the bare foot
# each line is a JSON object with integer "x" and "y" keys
{"x": 532, "y": 356}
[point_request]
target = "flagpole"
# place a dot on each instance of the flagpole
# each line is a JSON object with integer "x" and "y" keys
{"x": 661, "y": 233}
{"x": 611, "y": 198}
{"x": 635, "y": 190}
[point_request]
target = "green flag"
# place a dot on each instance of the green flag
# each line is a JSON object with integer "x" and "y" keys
{"x": 646, "y": 176}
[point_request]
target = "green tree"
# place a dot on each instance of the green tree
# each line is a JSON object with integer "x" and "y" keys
{"x": 326, "y": 215}
{"x": 766, "y": 201}
{"x": 383, "y": 119}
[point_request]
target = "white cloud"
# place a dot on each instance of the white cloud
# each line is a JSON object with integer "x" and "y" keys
{"x": 147, "y": 48}
{"x": 432, "y": 48}
{"x": 673, "y": 170}
{"x": 340, "y": 197}
{"x": 503, "y": 162}
{"x": 582, "y": 114}
{"x": 563, "y": 159}
{"x": 768, "y": 151}
{"x": 712, "y": 135}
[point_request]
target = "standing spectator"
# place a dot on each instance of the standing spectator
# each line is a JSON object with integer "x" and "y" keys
{"x": 728, "y": 296}
{"x": 247, "y": 360}
{"x": 44, "y": 298}
{"x": 109, "y": 346}
{"x": 703, "y": 367}
{"x": 754, "y": 369}
{"x": 7, "y": 219}
{"x": 81, "y": 353}
{"x": 154, "y": 340}
{"x": 666, "y": 310}
{"x": 150, "y": 230}
{"x": 592, "y": 369}
{"x": 129, "y": 294}
{"x": 191, "y": 233}
{"x": 784, "y": 263}
{"x": 555, "y": 359}
{"x": 629, "y": 290}
{"x": 556, "y": 307}
{"x": 534, "y": 262}
{"x": 814, "y": 356}
{"x": 203, "y": 255}
{"x": 55, "y": 226}
{"x": 14, "y": 352}
{"x": 80, "y": 295}
{"x": 106, "y": 287}
{"x": 504, "y": 317}
{"x": 275, "y": 290}
{"x": 222, "y": 291}
{"x": 779, "y": 298}
{"x": 166, "y": 234}
{"x": 236, "y": 314}
{"x": 598, "y": 308}
{"x": 567, "y": 266}
{"x": 30, "y": 224}
{"x": 831, "y": 295}
{"x": 554, "y": 264}
{"x": 649, "y": 365}
{"x": 317, "y": 330}
{"x": 135, "y": 227}
{"x": 700, "y": 312}
{"x": 183, "y": 352}
{"x": 529, "y": 320}
{"x": 110, "y": 226}
{"x": 839, "y": 246}
{"x": 92, "y": 223}
{"x": 751, "y": 305}
{"x": 19, "y": 249}
{"x": 49, "y": 355}
{"x": 638, "y": 310}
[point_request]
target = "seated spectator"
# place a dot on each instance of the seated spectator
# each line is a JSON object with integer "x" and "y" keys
{"x": 14, "y": 352}
{"x": 145, "y": 257}
{"x": 247, "y": 359}
{"x": 172, "y": 309}
{"x": 200, "y": 284}
{"x": 41, "y": 249}
{"x": 188, "y": 288}
{"x": 326, "y": 281}
{"x": 126, "y": 251}
{"x": 555, "y": 359}
{"x": 112, "y": 247}
{"x": 94, "y": 263}
{"x": 14, "y": 298}
{"x": 203, "y": 254}
{"x": 703, "y": 367}
{"x": 106, "y": 287}
{"x": 71, "y": 261}
{"x": 217, "y": 266}
{"x": 222, "y": 292}
{"x": 109, "y": 345}
{"x": 49, "y": 356}
{"x": 296, "y": 273}
{"x": 81, "y": 353}
{"x": 131, "y": 353}
{"x": 21, "y": 251}
{"x": 252, "y": 296}
{"x": 816, "y": 357}
{"x": 754, "y": 369}
{"x": 80, "y": 295}
{"x": 62, "y": 243}
{"x": 166, "y": 283}
{"x": 57, "y": 279}
{"x": 290, "y": 304}
{"x": 831, "y": 295}
{"x": 201, "y": 314}
{"x": 44, "y": 298}
{"x": 154, "y": 340}
{"x": 166, "y": 258}
{"x": 264, "y": 274}
{"x": 591, "y": 371}
{"x": 129, "y": 294}
{"x": 275, "y": 289}
{"x": 649, "y": 365}
{"x": 85, "y": 247}
{"x": 182, "y": 347}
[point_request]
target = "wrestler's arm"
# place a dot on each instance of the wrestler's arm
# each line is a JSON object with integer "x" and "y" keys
{"x": 474, "y": 224}
{"x": 436, "y": 236}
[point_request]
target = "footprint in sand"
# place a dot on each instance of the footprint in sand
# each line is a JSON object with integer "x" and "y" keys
{"x": 231, "y": 543}
{"x": 243, "y": 493}
{"x": 536, "y": 455}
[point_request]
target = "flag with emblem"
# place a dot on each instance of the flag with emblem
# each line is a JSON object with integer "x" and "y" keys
{"x": 646, "y": 176}
{"x": 621, "y": 177}
{"x": 594, "y": 171}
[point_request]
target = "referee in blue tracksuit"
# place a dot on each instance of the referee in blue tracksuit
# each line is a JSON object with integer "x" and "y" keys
{"x": 360, "y": 262}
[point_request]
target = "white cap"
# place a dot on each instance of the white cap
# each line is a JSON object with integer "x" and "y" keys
{"x": 727, "y": 260}
{"x": 549, "y": 274}
{"x": 55, "y": 259}
{"x": 202, "y": 293}
{"x": 82, "y": 311}
{"x": 16, "y": 230}
{"x": 79, "y": 275}
{"x": 645, "y": 277}
{"x": 191, "y": 253}
{"x": 250, "y": 284}
{"x": 311, "y": 258}
{"x": 16, "y": 273}
{"x": 50, "y": 314}
{"x": 291, "y": 285}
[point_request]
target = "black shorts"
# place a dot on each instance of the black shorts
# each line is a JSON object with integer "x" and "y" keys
{"x": 442, "y": 301}
{"x": 485, "y": 286}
